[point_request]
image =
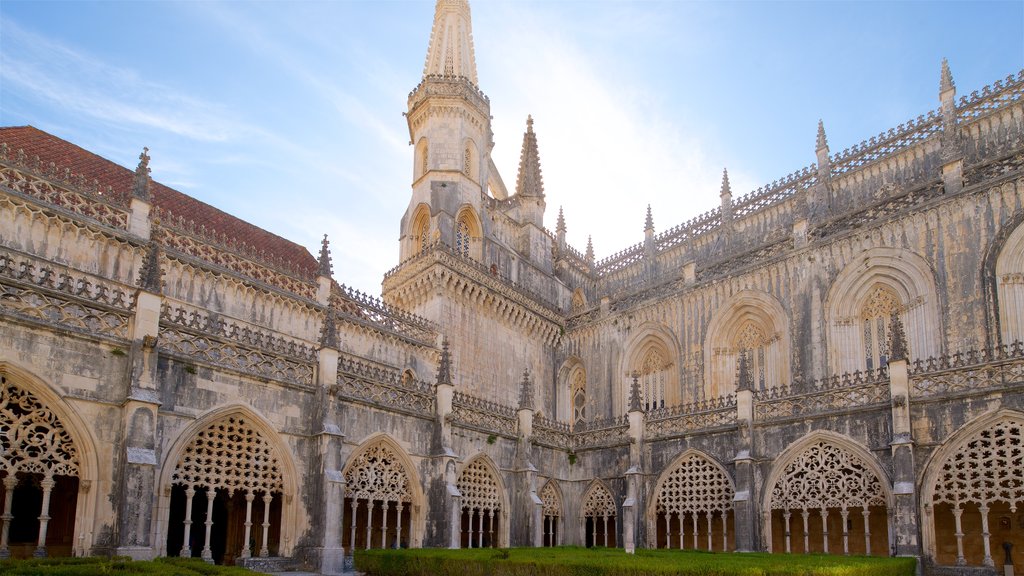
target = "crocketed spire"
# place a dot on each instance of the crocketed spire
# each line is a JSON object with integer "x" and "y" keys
{"x": 726, "y": 189}
{"x": 329, "y": 331}
{"x": 649, "y": 221}
{"x": 325, "y": 268}
{"x": 450, "y": 52}
{"x": 897, "y": 338}
{"x": 526, "y": 391}
{"x": 590, "y": 250}
{"x": 150, "y": 274}
{"x": 530, "y": 182}
{"x": 745, "y": 378}
{"x": 560, "y": 225}
{"x": 140, "y": 188}
{"x": 444, "y": 367}
{"x": 822, "y": 141}
{"x": 946, "y": 82}
{"x": 636, "y": 403}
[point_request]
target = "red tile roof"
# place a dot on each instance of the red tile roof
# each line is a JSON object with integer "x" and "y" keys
{"x": 64, "y": 154}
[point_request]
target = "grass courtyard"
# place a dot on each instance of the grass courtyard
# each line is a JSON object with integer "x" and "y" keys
{"x": 98, "y": 565}
{"x": 571, "y": 561}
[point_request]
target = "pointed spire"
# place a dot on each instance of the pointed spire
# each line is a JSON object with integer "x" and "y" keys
{"x": 450, "y": 53}
{"x": 635, "y": 402}
{"x": 946, "y": 82}
{"x": 649, "y": 221}
{"x": 897, "y": 338}
{"x": 150, "y": 274}
{"x": 325, "y": 268}
{"x": 140, "y": 189}
{"x": 530, "y": 182}
{"x": 726, "y": 189}
{"x": 329, "y": 331}
{"x": 745, "y": 378}
{"x": 444, "y": 367}
{"x": 822, "y": 141}
{"x": 590, "y": 250}
{"x": 560, "y": 226}
{"x": 526, "y": 391}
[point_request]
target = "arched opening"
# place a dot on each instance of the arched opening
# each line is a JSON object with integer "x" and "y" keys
{"x": 876, "y": 311}
{"x": 482, "y": 509}
{"x": 977, "y": 485}
{"x": 39, "y": 477}
{"x": 420, "y": 236}
{"x": 752, "y": 325}
{"x": 379, "y": 499}
{"x": 693, "y": 506}
{"x": 1010, "y": 287}
{"x": 579, "y": 302}
{"x": 226, "y": 495}
{"x": 578, "y": 395}
{"x": 467, "y": 237}
{"x": 551, "y": 511}
{"x": 652, "y": 360}
{"x": 421, "y": 162}
{"x": 470, "y": 161}
{"x": 597, "y": 517}
{"x": 826, "y": 499}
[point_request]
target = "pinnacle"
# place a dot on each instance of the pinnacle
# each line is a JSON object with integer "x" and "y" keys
{"x": 530, "y": 181}
{"x": 726, "y": 189}
{"x": 526, "y": 392}
{"x": 325, "y": 268}
{"x": 822, "y": 140}
{"x": 444, "y": 367}
{"x": 635, "y": 402}
{"x": 946, "y": 83}
{"x": 649, "y": 221}
{"x": 590, "y": 249}
{"x": 140, "y": 189}
{"x": 560, "y": 226}
{"x": 450, "y": 53}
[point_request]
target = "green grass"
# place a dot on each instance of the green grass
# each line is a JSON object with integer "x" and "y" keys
{"x": 571, "y": 561}
{"x": 117, "y": 566}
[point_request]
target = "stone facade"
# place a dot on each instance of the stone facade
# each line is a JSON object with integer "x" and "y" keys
{"x": 831, "y": 363}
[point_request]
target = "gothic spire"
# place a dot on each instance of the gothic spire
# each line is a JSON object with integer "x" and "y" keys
{"x": 560, "y": 226}
{"x": 450, "y": 53}
{"x": 140, "y": 189}
{"x": 649, "y": 221}
{"x": 329, "y": 331}
{"x": 726, "y": 189}
{"x": 822, "y": 141}
{"x": 530, "y": 182}
{"x": 150, "y": 274}
{"x": 444, "y": 367}
{"x": 590, "y": 250}
{"x": 526, "y": 391}
{"x": 325, "y": 268}
{"x": 746, "y": 381}
{"x": 946, "y": 83}
{"x": 635, "y": 402}
{"x": 897, "y": 338}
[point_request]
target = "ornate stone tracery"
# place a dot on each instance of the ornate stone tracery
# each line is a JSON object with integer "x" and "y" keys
{"x": 694, "y": 487}
{"x": 551, "y": 510}
{"x": 598, "y": 503}
{"x": 232, "y": 455}
{"x": 376, "y": 474}
{"x": 481, "y": 504}
{"x": 32, "y": 438}
{"x": 598, "y": 515}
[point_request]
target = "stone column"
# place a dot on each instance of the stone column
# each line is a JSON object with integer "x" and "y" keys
{"x": 745, "y": 509}
{"x": 902, "y": 445}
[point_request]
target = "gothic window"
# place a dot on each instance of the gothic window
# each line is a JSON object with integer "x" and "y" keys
{"x": 751, "y": 343}
{"x": 690, "y": 499}
{"x": 229, "y": 459}
{"x": 422, "y": 155}
{"x": 833, "y": 484}
{"x": 980, "y": 481}
{"x": 462, "y": 236}
{"x": 578, "y": 301}
{"x": 377, "y": 498}
{"x": 423, "y": 234}
{"x": 875, "y": 314}
{"x": 653, "y": 377}
{"x": 481, "y": 506}
{"x": 578, "y": 389}
{"x": 551, "y": 510}
{"x": 39, "y": 463}
{"x": 598, "y": 513}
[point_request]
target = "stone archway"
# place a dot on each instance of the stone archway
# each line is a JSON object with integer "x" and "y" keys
{"x": 382, "y": 498}
{"x": 484, "y": 507}
{"x": 693, "y": 498}
{"x": 551, "y": 514}
{"x": 597, "y": 517}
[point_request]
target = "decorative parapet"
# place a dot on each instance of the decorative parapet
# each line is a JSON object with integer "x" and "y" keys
{"x": 601, "y": 433}
{"x": 702, "y": 415}
{"x": 384, "y": 387}
{"x": 186, "y": 237}
{"x": 362, "y": 308}
{"x": 552, "y": 434}
{"x": 968, "y": 372}
{"x": 453, "y": 87}
{"x": 996, "y": 96}
{"x": 199, "y": 337}
{"x": 484, "y": 415}
{"x": 56, "y": 186}
{"x": 43, "y": 294}
{"x": 856, "y": 390}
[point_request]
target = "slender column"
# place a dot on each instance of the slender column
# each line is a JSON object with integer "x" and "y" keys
{"x": 369, "y": 525}
{"x": 710, "y": 519}
{"x": 593, "y": 530}
{"x": 786, "y": 516}
{"x": 264, "y": 549}
{"x": 186, "y": 550}
{"x": 352, "y": 528}
{"x": 398, "y": 529}
{"x": 211, "y": 494}
{"x": 480, "y": 529}
{"x": 807, "y": 535}
{"x": 867, "y": 531}
{"x": 10, "y": 482}
{"x": 695, "y": 545}
{"x": 960, "y": 560}
{"x": 44, "y": 516}
{"x": 492, "y": 515}
{"x": 384, "y": 525}
{"x": 725, "y": 531}
{"x": 984, "y": 536}
{"x": 846, "y": 531}
{"x": 679, "y": 518}
{"x": 668, "y": 529}
{"x": 605, "y": 520}
{"x": 824, "y": 529}
{"x": 249, "y": 497}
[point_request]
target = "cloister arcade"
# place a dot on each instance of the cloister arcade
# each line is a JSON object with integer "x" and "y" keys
{"x": 597, "y": 517}
{"x": 483, "y": 506}
{"x": 692, "y": 506}
{"x": 379, "y": 498}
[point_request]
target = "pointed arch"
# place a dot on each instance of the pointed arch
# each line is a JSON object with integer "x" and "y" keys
{"x": 855, "y": 336}
{"x": 468, "y": 233}
{"x": 653, "y": 355}
{"x": 750, "y": 323}
{"x": 578, "y": 302}
{"x": 572, "y": 396}
{"x": 551, "y": 513}
{"x": 694, "y": 495}
{"x": 835, "y": 478}
{"x": 970, "y": 483}
{"x": 1009, "y": 284}
{"x": 471, "y": 160}
{"x": 383, "y": 496}
{"x": 485, "y": 505}
{"x": 598, "y": 515}
{"x": 254, "y": 432}
{"x": 420, "y": 234}
{"x": 21, "y": 389}
{"x": 421, "y": 160}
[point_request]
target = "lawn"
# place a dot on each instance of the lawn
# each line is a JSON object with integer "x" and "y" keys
{"x": 571, "y": 561}
{"x": 97, "y": 565}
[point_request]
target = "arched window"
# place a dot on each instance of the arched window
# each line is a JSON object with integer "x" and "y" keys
{"x": 752, "y": 343}
{"x": 579, "y": 302}
{"x": 598, "y": 514}
{"x": 378, "y": 499}
{"x": 693, "y": 499}
{"x": 463, "y": 236}
{"x": 552, "y": 512}
{"x": 578, "y": 395}
{"x": 653, "y": 376}
{"x": 754, "y": 325}
{"x": 881, "y": 303}
{"x": 1010, "y": 287}
{"x": 481, "y": 506}
{"x": 422, "y": 157}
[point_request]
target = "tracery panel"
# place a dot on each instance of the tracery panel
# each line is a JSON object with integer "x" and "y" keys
{"x": 598, "y": 515}
{"x": 481, "y": 505}
{"x": 690, "y": 498}
{"x": 378, "y": 498}
{"x": 551, "y": 511}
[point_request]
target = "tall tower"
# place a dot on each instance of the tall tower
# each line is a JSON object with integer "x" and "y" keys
{"x": 450, "y": 127}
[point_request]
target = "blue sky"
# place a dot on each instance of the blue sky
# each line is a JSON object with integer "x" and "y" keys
{"x": 289, "y": 114}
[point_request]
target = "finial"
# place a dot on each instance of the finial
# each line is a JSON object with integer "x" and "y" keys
{"x": 329, "y": 331}
{"x": 726, "y": 190}
{"x": 140, "y": 189}
{"x": 529, "y": 122}
{"x": 649, "y": 222}
{"x": 325, "y": 268}
{"x": 560, "y": 226}
{"x": 150, "y": 274}
{"x": 590, "y": 250}
{"x": 822, "y": 141}
{"x": 635, "y": 402}
{"x": 530, "y": 181}
{"x": 444, "y": 367}
{"x": 746, "y": 380}
{"x": 947, "y": 78}
{"x": 526, "y": 392}
{"x": 897, "y": 338}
